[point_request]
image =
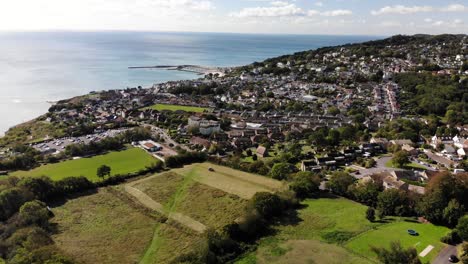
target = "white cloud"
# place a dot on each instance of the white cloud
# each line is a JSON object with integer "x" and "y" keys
{"x": 455, "y": 8}
{"x": 320, "y": 4}
{"x": 338, "y": 12}
{"x": 404, "y": 10}
{"x": 401, "y": 9}
{"x": 390, "y": 24}
{"x": 277, "y": 9}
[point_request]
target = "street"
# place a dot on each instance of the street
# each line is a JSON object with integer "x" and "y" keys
{"x": 444, "y": 255}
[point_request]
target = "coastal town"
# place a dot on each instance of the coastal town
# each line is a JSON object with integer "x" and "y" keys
{"x": 250, "y": 107}
{"x": 389, "y": 113}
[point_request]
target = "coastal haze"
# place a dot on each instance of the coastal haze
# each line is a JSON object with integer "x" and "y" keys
{"x": 42, "y": 67}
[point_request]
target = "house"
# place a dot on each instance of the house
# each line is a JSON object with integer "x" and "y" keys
{"x": 448, "y": 149}
{"x": 242, "y": 142}
{"x": 205, "y": 127}
{"x": 436, "y": 140}
{"x": 401, "y": 142}
{"x": 383, "y": 142}
{"x": 262, "y": 151}
{"x": 198, "y": 141}
{"x": 310, "y": 165}
{"x": 462, "y": 152}
{"x": 411, "y": 151}
{"x": 390, "y": 181}
{"x": 150, "y": 146}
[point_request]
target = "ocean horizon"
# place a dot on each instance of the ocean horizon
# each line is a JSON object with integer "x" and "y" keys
{"x": 39, "y": 67}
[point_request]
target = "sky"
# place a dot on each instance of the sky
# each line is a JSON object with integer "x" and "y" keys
{"x": 331, "y": 17}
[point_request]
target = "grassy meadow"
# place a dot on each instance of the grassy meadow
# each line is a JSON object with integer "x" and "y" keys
{"x": 102, "y": 228}
{"x": 121, "y": 162}
{"x": 170, "y": 107}
{"x": 335, "y": 230}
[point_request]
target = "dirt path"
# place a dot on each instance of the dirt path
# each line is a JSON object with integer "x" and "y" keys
{"x": 153, "y": 205}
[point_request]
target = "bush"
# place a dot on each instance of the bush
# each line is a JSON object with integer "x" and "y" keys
{"x": 451, "y": 238}
{"x": 305, "y": 184}
{"x": 370, "y": 214}
{"x": 462, "y": 227}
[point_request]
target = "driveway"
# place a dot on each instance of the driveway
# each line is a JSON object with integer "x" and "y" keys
{"x": 444, "y": 255}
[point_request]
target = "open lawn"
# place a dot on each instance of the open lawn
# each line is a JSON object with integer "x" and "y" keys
{"x": 412, "y": 165}
{"x": 397, "y": 231}
{"x": 122, "y": 162}
{"x": 315, "y": 235}
{"x": 162, "y": 107}
{"x": 242, "y": 184}
{"x": 102, "y": 228}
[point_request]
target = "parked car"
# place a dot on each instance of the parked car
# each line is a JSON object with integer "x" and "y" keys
{"x": 412, "y": 232}
{"x": 453, "y": 259}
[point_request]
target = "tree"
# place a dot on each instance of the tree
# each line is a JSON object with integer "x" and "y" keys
{"x": 462, "y": 227}
{"x": 366, "y": 192}
{"x": 400, "y": 159}
{"x": 266, "y": 204}
{"x": 453, "y": 212}
{"x": 397, "y": 254}
{"x": 254, "y": 157}
{"x": 305, "y": 184}
{"x": 440, "y": 191}
{"x": 103, "y": 171}
{"x": 340, "y": 182}
{"x": 393, "y": 202}
{"x": 34, "y": 212}
{"x": 370, "y": 214}
{"x": 280, "y": 171}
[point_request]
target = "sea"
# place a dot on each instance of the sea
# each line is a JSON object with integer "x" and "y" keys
{"x": 37, "y": 68}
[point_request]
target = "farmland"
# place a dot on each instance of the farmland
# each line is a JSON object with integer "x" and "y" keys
{"x": 102, "y": 228}
{"x": 334, "y": 230}
{"x": 122, "y": 162}
{"x": 169, "y": 107}
{"x": 239, "y": 183}
{"x": 187, "y": 197}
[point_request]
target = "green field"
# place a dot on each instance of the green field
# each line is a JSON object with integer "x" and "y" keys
{"x": 323, "y": 225}
{"x": 102, "y": 228}
{"x": 412, "y": 165}
{"x": 397, "y": 231}
{"x": 122, "y": 162}
{"x": 169, "y": 107}
{"x": 335, "y": 230}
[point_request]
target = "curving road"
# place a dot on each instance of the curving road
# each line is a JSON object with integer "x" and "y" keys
{"x": 444, "y": 255}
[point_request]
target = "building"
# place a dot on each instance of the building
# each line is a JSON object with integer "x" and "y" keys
{"x": 205, "y": 127}
{"x": 262, "y": 151}
{"x": 150, "y": 146}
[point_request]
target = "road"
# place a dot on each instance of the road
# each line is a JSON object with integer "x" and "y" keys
{"x": 444, "y": 255}
{"x": 380, "y": 167}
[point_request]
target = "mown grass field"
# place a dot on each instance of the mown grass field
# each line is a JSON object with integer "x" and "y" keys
{"x": 102, "y": 228}
{"x": 397, "y": 231}
{"x": 334, "y": 230}
{"x": 169, "y": 107}
{"x": 316, "y": 235}
{"x": 412, "y": 165}
{"x": 122, "y": 162}
{"x": 239, "y": 183}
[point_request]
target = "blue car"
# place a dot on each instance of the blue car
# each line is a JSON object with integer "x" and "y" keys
{"x": 412, "y": 232}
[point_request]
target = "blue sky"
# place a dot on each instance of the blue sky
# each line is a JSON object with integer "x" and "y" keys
{"x": 364, "y": 17}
